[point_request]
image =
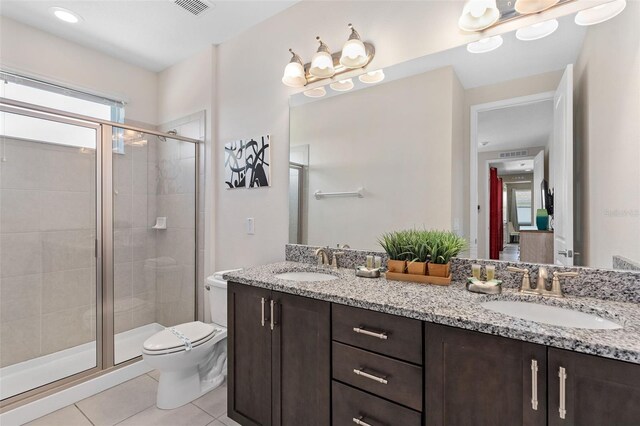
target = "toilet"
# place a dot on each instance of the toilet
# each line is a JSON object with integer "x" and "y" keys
{"x": 191, "y": 357}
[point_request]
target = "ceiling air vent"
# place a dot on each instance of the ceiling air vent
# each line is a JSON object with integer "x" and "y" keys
{"x": 514, "y": 154}
{"x": 195, "y": 7}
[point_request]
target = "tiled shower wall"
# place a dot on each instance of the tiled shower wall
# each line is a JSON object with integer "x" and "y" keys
{"x": 154, "y": 269}
{"x": 47, "y": 263}
{"x": 134, "y": 201}
{"x": 176, "y": 246}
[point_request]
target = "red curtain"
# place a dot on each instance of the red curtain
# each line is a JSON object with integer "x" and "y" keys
{"x": 496, "y": 229}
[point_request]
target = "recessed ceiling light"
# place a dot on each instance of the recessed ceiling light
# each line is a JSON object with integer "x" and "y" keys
{"x": 601, "y": 13}
{"x": 537, "y": 31}
{"x": 485, "y": 45}
{"x": 66, "y": 15}
{"x": 318, "y": 92}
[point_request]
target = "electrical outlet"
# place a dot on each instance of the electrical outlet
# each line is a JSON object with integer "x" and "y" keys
{"x": 250, "y": 226}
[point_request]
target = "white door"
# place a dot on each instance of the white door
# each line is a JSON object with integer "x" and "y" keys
{"x": 538, "y": 177}
{"x": 562, "y": 170}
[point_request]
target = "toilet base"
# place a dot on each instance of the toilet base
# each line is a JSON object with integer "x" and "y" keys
{"x": 177, "y": 388}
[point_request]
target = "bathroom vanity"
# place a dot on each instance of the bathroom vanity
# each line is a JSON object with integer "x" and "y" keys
{"x": 376, "y": 352}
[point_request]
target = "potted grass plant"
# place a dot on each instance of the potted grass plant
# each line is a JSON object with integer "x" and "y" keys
{"x": 395, "y": 244}
{"x": 419, "y": 250}
{"x": 442, "y": 248}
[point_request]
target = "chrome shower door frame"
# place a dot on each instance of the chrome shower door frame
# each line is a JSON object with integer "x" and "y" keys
{"x": 105, "y": 336}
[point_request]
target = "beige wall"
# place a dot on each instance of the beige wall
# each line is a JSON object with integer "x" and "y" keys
{"x": 35, "y": 53}
{"x": 47, "y": 264}
{"x": 607, "y": 141}
{"x": 404, "y": 161}
{"x": 253, "y": 101}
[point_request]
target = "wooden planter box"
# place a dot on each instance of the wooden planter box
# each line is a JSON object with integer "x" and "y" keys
{"x": 422, "y": 279}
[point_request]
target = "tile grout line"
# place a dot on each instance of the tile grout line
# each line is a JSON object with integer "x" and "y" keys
{"x": 83, "y": 413}
{"x": 135, "y": 414}
{"x": 212, "y": 417}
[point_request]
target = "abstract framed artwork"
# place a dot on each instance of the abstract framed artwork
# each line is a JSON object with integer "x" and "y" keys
{"x": 235, "y": 165}
{"x": 247, "y": 163}
{"x": 258, "y": 160}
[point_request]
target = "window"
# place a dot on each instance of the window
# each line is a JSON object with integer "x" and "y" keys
{"x": 48, "y": 95}
{"x": 523, "y": 206}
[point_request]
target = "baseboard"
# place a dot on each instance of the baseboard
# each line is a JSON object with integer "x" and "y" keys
{"x": 58, "y": 400}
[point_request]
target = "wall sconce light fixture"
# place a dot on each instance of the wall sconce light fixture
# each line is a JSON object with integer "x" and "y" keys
{"x": 354, "y": 54}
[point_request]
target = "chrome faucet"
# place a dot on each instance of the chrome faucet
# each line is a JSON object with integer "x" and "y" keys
{"x": 541, "y": 283}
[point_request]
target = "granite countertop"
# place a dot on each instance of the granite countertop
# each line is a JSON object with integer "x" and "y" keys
{"x": 455, "y": 306}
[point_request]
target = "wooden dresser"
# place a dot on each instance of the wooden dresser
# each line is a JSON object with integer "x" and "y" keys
{"x": 536, "y": 246}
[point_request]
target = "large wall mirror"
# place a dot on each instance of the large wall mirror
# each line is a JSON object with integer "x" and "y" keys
{"x": 484, "y": 144}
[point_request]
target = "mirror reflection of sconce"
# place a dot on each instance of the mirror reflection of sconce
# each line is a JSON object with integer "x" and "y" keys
{"x": 479, "y": 15}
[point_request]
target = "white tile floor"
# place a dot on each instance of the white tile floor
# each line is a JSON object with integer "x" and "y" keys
{"x": 133, "y": 403}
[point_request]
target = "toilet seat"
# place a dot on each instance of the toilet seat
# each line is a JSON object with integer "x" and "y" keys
{"x": 167, "y": 342}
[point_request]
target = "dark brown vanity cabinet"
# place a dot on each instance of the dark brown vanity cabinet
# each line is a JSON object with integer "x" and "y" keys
{"x": 589, "y": 390}
{"x": 299, "y": 361}
{"x": 279, "y": 358}
{"x": 479, "y": 379}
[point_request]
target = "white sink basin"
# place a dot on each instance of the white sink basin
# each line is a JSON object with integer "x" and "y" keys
{"x": 306, "y": 276}
{"x": 550, "y": 315}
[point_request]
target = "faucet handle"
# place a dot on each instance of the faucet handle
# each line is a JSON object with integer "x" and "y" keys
{"x": 565, "y": 274}
{"x": 556, "y": 287}
{"x": 334, "y": 260}
{"x": 514, "y": 269}
{"x": 526, "y": 278}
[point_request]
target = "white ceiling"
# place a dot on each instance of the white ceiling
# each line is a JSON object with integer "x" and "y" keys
{"x": 153, "y": 34}
{"x": 510, "y": 167}
{"x": 515, "y": 127}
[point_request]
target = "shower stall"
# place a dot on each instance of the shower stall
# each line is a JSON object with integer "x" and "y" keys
{"x": 98, "y": 244}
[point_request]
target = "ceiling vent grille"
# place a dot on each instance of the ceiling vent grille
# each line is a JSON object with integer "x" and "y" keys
{"x": 514, "y": 154}
{"x": 195, "y": 7}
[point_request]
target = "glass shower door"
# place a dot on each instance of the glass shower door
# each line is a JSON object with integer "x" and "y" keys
{"x": 49, "y": 274}
{"x": 154, "y": 237}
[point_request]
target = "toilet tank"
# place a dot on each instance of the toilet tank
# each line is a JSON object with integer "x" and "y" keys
{"x": 217, "y": 290}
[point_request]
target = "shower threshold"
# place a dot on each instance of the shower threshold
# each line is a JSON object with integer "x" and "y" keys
{"x": 27, "y": 375}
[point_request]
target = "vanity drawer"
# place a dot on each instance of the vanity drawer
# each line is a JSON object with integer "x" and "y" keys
{"x": 390, "y": 378}
{"x": 383, "y": 333}
{"x": 349, "y": 404}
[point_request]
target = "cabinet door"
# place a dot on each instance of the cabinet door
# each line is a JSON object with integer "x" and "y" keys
{"x": 589, "y": 390}
{"x": 479, "y": 379}
{"x": 249, "y": 355}
{"x": 301, "y": 361}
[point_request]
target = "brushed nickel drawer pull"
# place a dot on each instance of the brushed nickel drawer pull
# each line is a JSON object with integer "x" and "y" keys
{"x": 370, "y": 376}
{"x": 262, "y": 305}
{"x": 360, "y": 330}
{"x": 562, "y": 374}
{"x": 534, "y": 384}
{"x": 358, "y": 421}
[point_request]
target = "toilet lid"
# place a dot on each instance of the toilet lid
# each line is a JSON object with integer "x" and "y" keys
{"x": 195, "y": 332}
